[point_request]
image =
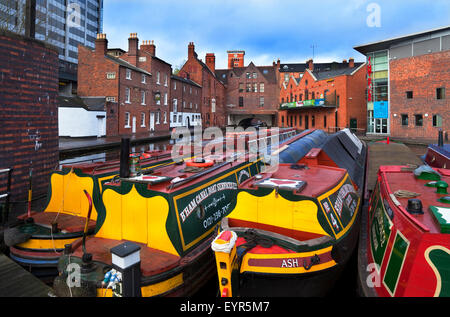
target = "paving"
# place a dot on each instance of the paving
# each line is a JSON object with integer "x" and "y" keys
{"x": 17, "y": 282}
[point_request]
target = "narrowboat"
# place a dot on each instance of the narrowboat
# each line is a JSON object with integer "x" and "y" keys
{"x": 293, "y": 229}
{"x": 37, "y": 239}
{"x": 404, "y": 248}
{"x": 170, "y": 215}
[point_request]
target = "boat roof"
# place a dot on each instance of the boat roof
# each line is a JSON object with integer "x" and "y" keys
{"x": 313, "y": 176}
{"x": 402, "y": 178}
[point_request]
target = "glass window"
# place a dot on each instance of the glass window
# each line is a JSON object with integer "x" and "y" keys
{"x": 128, "y": 75}
{"x": 127, "y": 119}
{"x": 261, "y": 87}
{"x": 143, "y": 97}
{"x": 419, "y": 120}
{"x": 142, "y": 119}
{"x": 437, "y": 120}
{"x": 404, "y": 120}
{"x": 440, "y": 93}
{"x": 127, "y": 95}
{"x": 409, "y": 94}
{"x": 241, "y": 87}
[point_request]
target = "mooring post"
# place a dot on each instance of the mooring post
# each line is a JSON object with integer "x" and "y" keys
{"x": 126, "y": 259}
{"x": 125, "y": 158}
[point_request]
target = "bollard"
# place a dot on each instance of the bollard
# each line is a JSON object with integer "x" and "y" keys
{"x": 125, "y": 158}
{"x": 126, "y": 260}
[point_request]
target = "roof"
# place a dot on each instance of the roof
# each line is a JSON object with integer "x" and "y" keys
{"x": 301, "y": 67}
{"x": 126, "y": 64}
{"x": 269, "y": 73}
{"x": 185, "y": 80}
{"x": 385, "y": 44}
{"x": 87, "y": 103}
{"x": 321, "y": 75}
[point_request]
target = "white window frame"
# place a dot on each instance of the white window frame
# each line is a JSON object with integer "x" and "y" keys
{"x": 127, "y": 120}
{"x": 157, "y": 115}
{"x": 165, "y": 117}
{"x": 142, "y": 119}
{"x": 165, "y": 98}
{"x": 127, "y": 95}
{"x": 111, "y": 75}
{"x": 144, "y": 79}
{"x": 165, "y": 80}
{"x": 143, "y": 98}
{"x": 175, "y": 105}
{"x": 128, "y": 74}
{"x": 158, "y": 75}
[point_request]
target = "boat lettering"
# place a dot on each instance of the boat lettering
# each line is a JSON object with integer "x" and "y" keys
{"x": 327, "y": 207}
{"x": 290, "y": 263}
{"x": 216, "y": 216}
{"x": 204, "y": 194}
{"x": 343, "y": 192}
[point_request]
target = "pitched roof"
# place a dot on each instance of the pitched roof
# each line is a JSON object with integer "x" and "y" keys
{"x": 127, "y": 65}
{"x": 185, "y": 80}
{"x": 269, "y": 72}
{"x": 87, "y": 103}
{"x": 301, "y": 67}
{"x": 320, "y": 75}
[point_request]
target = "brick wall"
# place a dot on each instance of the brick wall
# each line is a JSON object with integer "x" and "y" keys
{"x": 349, "y": 89}
{"x": 421, "y": 75}
{"x": 29, "y": 112}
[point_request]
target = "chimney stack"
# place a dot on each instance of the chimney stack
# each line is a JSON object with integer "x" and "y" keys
{"x": 149, "y": 46}
{"x": 344, "y": 62}
{"x": 101, "y": 45}
{"x": 351, "y": 62}
{"x": 133, "y": 43}
{"x": 191, "y": 51}
{"x": 278, "y": 64}
{"x": 211, "y": 61}
{"x": 310, "y": 65}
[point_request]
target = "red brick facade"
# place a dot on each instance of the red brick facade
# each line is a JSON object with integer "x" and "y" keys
{"x": 421, "y": 76}
{"x": 251, "y": 91}
{"x": 213, "y": 91}
{"x": 138, "y": 82}
{"x": 344, "y": 94}
{"x": 29, "y": 113}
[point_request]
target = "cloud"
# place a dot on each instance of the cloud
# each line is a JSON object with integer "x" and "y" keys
{"x": 265, "y": 29}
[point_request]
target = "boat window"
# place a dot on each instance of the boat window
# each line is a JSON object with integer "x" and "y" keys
{"x": 388, "y": 209}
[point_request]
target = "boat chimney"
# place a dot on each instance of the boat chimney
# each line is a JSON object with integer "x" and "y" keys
{"x": 440, "y": 138}
{"x": 125, "y": 158}
{"x": 414, "y": 206}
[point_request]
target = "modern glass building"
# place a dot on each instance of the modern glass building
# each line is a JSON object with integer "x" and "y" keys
{"x": 377, "y": 92}
{"x": 62, "y": 23}
{"x": 406, "y": 84}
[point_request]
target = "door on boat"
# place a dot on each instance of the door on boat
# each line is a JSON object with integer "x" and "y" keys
{"x": 152, "y": 121}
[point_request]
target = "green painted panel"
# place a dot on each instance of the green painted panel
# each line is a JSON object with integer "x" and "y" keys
{"x": 441, "y": 260}
{"x": 380, "y": 230}
{"x": 395, "y": 263}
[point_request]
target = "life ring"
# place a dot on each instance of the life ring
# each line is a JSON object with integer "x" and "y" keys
{"x": 202, "y": 163}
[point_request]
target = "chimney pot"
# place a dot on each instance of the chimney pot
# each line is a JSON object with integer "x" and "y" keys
{"x": 101, "y": 45}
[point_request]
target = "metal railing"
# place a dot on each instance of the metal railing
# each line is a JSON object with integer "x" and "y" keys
{"x": 6, "y": 195}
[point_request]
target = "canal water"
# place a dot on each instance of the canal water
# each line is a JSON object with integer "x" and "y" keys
{"x": 345, "y": 287}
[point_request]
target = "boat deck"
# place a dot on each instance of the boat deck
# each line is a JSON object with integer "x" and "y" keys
{"x": 17, "y": 282}
{"x": 405, "y": 180}
{"x": 153, "y": 261}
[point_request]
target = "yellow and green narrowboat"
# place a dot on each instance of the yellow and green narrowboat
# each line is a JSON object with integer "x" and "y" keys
{"x": 171, "y": 215}
{"x": 293, "y": 230}
{"x": 37, "y": 239}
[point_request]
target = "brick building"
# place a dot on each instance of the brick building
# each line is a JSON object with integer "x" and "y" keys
{"x": 213, "y": 90}
{"x": 29, "y": 113}
{"x": 407, "y": 85}
{"x": 185, "y": 102}
{"x": 136, "y": 80}
{"x": 324, "y": 98}
{"x": 251, "y": 93}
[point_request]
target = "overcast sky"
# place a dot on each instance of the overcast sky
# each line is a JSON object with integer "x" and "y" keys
{"x": 268, "y": 29}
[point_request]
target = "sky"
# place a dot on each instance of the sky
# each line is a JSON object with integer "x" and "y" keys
{"x": 290, "y": 30}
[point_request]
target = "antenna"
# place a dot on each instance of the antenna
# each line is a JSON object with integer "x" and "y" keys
{"x": 313, "y": 47}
